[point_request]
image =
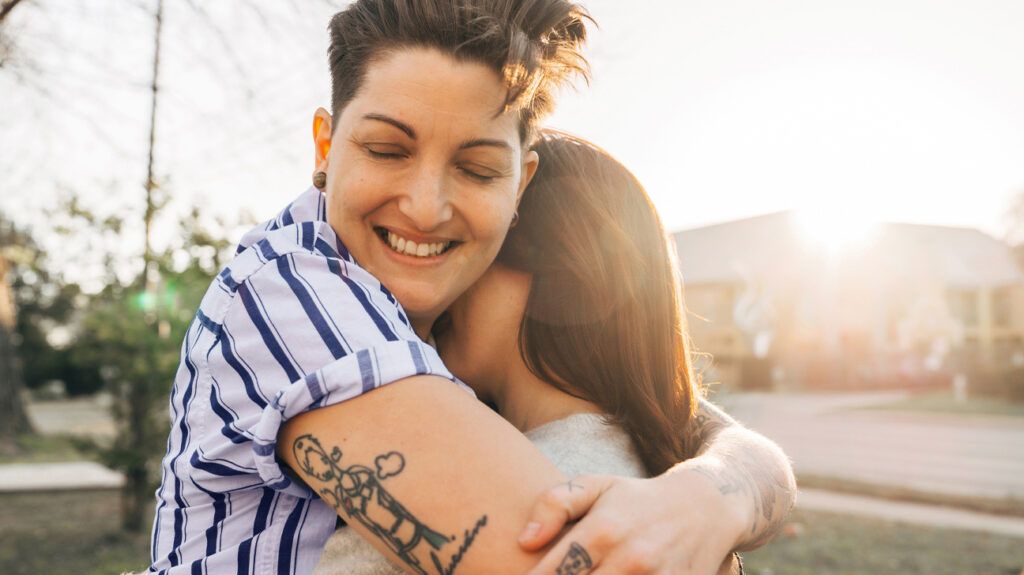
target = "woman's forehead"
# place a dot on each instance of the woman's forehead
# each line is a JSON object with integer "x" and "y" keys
{"x": 435, "y": 95}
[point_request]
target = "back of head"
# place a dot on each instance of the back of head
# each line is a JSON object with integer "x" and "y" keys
{"x": 604, "y": 318}
{"x": 533, "y": 45}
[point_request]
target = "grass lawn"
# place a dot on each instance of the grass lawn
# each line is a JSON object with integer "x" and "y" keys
{"x": 47, "y": 449}
{"x": 67, "y": 532}
{"x": 943, "y": 402}
{"x": 77, "y": 532}
{"x": 843, "y": 545}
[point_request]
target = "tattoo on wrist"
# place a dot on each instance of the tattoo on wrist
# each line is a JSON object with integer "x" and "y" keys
{"x": 358, "y": 491}
{"x": 576, "y": 561}
{"x": 756, "y": 477}
{"x": 572, "y": 486}
{"x": 751, "y": 470}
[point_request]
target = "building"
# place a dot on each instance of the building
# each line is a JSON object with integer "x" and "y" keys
{"x": 904, "y": 302}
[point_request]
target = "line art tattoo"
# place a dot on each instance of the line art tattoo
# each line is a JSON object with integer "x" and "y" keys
{"x": 572, "y": 486}
{"x": 357, "y": 490}
{"x": 575, "y": 562}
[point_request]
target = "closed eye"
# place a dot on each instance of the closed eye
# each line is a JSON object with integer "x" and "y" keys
{"x": 482, "y": 178}
{"x": 385, "y": 152}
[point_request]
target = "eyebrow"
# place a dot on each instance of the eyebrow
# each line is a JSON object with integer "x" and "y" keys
{"x": 408, "y": 131}
{"x": 485, "y": 142}
{"x": 406, "y": 128}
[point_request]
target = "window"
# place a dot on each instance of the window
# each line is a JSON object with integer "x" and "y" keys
{"x": 963, "y": 304}
{"x": 1002, "y": 307}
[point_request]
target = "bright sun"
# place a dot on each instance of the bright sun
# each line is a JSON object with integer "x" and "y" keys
{"x": 836, "y": 229}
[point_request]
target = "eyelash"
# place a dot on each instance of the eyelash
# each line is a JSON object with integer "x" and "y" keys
{"x": 481, "y": 178}
{"x": 383, "y": 155}
{"x": 478, "y": 177}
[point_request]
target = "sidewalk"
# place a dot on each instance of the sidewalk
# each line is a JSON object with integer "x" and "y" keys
{"x": 23, "y": 477}
{"x": 915, "y": 513}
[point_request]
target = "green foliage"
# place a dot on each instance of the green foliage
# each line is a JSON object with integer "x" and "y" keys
{"x": 44, "y": 302}
{"x": 130, "y": 333}
{"x": 124, "y": 338}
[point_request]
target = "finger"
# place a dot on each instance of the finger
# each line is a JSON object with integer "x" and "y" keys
{"x": 568, "y": 557}
{"x": 560, "y": 505}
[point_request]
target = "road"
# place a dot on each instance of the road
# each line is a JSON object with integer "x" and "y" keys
{"x": 980, "y": 456}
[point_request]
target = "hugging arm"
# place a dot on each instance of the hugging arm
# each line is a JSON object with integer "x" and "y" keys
{"x": 744, "y": 466}
{"x": 426, "y": 473}
{"x": 733, "y": 493}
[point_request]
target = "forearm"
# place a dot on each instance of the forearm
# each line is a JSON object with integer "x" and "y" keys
{"x": 751, "y": 472}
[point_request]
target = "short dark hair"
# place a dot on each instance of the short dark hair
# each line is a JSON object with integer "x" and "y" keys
{"x": 533, "y": 45}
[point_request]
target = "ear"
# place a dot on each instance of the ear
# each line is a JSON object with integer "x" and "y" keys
{"x": 321, "y": 138}
{"x": 530, "y": 162}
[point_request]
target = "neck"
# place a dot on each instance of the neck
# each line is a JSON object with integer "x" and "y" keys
{"x": 422, "y": 326}
{"x": 527, "y": 402}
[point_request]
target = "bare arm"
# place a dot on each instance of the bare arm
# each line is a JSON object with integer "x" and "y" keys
{"x": 430, "y": 476}
{"x": 744, "y": 466}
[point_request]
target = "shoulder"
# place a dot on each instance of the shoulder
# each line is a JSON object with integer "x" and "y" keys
{"x": 588, "y": 444}
{"x": 302, "y": 266}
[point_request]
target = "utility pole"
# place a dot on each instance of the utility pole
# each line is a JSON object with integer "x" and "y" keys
{"x": 150, "y": 183}
{"x": 136, "y": 493}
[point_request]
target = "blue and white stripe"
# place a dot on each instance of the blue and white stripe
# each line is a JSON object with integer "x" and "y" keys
{"x": 291, "y": 324}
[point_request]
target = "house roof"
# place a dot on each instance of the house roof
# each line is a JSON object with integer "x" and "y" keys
{"x": 775, "y": 244}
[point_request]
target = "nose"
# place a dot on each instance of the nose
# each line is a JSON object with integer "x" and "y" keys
{"x": 426, "y": 200}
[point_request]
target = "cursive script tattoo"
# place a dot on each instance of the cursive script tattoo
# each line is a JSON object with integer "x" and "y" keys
{"x": 575, "y": 562}
{"x": 357, "y": 490}
{"x": 457, "y": 557}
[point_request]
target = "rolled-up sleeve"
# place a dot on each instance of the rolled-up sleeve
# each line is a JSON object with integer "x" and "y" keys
{"x": 303, "y": 331}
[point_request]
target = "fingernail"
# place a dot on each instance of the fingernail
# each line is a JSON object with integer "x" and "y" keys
{"x": 530, "y": 532}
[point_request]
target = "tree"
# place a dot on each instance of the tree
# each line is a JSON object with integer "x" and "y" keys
{"x": 14, "y": 420}
{"x": 130, "y": 333}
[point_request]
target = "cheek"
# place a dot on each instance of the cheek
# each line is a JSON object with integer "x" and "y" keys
{"x": 488, "y": 218}
{"x": 355, "y": 188}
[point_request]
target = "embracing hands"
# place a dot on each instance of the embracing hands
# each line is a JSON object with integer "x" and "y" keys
{"x": 678, "y": 524}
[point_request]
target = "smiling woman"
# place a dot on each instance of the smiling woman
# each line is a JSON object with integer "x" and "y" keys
{"x": 424, "y": 172}
{"x": 422, "y": 161}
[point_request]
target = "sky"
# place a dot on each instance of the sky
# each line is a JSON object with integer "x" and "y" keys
{"x": 898, "y": 110}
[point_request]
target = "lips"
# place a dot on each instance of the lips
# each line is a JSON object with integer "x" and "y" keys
{"x": 408, "y": 247}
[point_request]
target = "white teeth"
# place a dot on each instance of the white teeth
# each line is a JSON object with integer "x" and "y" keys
{"x": 411, "y": 248}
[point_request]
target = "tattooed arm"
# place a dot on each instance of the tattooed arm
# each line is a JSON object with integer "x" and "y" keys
{"x": 733, "y": 494}
{"x": 745, "y": 467}
{"x": 430, "y": 476}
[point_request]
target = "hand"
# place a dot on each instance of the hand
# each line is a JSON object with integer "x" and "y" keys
{"x": 672, "y": 524}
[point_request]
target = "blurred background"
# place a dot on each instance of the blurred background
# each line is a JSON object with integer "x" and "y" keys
{"x": 845, "y": 181}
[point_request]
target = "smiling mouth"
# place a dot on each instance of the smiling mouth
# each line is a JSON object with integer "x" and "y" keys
{"x": 407, "y": 247}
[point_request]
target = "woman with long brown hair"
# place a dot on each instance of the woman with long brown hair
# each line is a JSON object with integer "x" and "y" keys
{"x": 582, "y": 310}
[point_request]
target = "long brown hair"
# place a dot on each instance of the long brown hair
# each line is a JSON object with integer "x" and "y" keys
{"x": 604, "y": 320}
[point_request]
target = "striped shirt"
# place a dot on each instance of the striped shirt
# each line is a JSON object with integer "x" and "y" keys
{"x": 291, "y": 324}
